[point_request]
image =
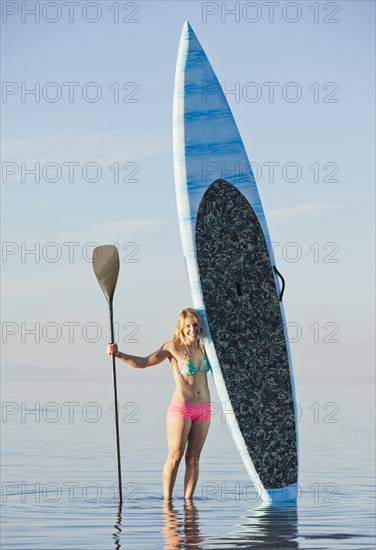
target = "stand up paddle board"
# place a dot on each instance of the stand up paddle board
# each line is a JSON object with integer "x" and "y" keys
{"x": 233, "y": 278}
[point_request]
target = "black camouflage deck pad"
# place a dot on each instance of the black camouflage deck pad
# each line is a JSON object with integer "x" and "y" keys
{"x": 245, "y": 322}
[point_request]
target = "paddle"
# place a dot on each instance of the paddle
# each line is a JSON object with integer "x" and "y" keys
{"x": 106, "y": 269}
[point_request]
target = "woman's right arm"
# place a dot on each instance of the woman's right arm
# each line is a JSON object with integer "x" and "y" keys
{"x": 136, "y": 362}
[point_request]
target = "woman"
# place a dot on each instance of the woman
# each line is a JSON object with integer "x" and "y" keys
{"x": 188, "y": 415}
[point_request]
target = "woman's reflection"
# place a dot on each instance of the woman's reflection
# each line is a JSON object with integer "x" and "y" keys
{"x": 181, "y": 532}
{"x": 263, "y": 527}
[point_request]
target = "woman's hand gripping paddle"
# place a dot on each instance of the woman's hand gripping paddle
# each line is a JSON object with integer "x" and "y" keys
{"x": 106, "y": 268}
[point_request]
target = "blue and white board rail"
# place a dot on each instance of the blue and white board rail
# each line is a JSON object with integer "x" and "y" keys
{"x": 206, "y": 139}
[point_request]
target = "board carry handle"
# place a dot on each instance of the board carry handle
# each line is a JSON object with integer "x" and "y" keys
{"x": 283, "y": 282}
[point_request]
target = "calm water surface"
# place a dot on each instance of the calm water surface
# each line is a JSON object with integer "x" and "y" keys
{"x": 59, "y": 475}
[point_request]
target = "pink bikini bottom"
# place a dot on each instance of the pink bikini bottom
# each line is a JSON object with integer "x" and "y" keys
{"x": 196, "y": 412}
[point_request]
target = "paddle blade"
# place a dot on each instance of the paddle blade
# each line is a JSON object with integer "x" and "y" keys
{"x": 106, "y": 268}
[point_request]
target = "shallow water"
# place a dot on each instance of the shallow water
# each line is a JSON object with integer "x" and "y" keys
{"x": 59, "y": 476}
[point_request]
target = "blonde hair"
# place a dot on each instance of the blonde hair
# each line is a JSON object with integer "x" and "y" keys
{"x": 183, "y": 315}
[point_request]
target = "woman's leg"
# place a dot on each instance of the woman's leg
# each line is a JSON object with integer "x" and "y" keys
{"x": 177, "y": 434}
{"x": 196, "y": 441}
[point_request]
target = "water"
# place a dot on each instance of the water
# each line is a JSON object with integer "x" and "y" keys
{"x": 59, "y": 475}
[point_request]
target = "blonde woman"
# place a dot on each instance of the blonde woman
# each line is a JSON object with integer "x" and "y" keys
{"x": 188, "y": 415}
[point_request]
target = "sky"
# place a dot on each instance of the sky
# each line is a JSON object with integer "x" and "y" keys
{"x": 87, "y": 159}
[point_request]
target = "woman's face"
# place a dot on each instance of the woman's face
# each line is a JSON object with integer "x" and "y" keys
{"x": 191, "y": 330}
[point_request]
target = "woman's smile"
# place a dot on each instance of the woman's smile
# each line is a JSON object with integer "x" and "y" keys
{"x": 191, "y": 330}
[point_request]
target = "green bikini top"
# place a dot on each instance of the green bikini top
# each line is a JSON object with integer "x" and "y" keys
{"x": 188, "y": 368}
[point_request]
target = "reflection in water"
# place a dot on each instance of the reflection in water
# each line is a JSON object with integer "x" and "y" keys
{"x": 267, "y": 526}
{"x": 181, "y": 532}
{"x": 117, "y": 532}
{"x": 264, "y": 527}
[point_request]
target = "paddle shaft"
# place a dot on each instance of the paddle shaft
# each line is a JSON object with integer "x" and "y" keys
{"x": 112, "y": 336}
